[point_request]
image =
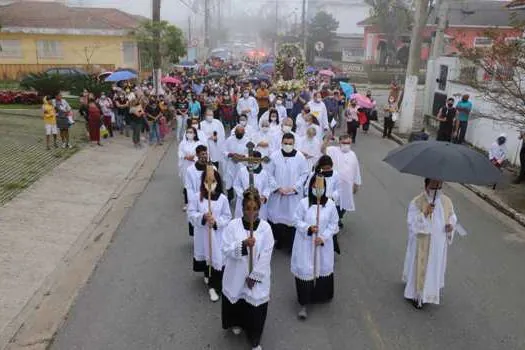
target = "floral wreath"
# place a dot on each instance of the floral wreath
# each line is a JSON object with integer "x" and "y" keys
{"x": 293, "y": 50}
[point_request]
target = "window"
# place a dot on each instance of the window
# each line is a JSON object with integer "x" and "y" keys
{"x": 49, "y": 49}
{"x": 129, "y": 53}
{"x": 482, "y": 42}
{"x": 10, "y": 48}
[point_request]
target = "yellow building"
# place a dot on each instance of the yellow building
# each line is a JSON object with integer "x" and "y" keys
{"x": 37, "y": 35}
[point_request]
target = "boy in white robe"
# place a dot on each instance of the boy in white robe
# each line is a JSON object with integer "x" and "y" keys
{"x": 314, "y": 284}
{"x": 193, "y": 177}
{"x": 246, "y": 294}
{"x": 262, "y": 183}
{"x": 431, "y": 222}
{"x": 235, "y": 151}
{"x": 209, "y": 225}
{"x": 289, "y": 170}
{"x": 347, "y": 165}
{"x": 318, "y": 110}
{"x": 187, "y": 156}
{"x": 215, "y": 135}
{"x": 248, "y": 105}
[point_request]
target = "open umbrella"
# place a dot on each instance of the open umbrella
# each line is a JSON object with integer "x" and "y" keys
{"x": 267, "y": 68}
{"x": 444, "y": 161}
{"x": 327, "y": 72}
{"x": 122, "y": 75}
{"x": 171, "y": 80}
{"x": 362, "y": 101}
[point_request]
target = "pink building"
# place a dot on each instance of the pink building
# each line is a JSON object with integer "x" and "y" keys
{"x": 467, "y": 25}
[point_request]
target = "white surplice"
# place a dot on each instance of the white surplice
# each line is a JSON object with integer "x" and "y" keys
{"x": 234, "y": 145}
{"x": 347, "y": 166}
{"x": 267, "y": 137}
{"x": 302, "y": 264}
{"x": 249, "y": 131}
{"x": 312, "y": 148}
{"x": 186, "y": 148}
{"x": 192, "y": 180}
{"x": 300, "y": 125}
{"x": 318, "y": 110}
{"x": 434, "y": 226}
{"x": 215, "y": 148}
{"x": 286, "y": 172}
{"x": 201, "y": 242}
{"x": 262, "y": 183}
{"x": 236, "y": 265}
{"x": 251, "y": 104}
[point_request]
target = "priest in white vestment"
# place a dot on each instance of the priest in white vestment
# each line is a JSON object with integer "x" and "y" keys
{"x": 264, "y": 140}
{"x": 314, "y": 279}
{"x": 347, "y": 165}
{"x": 289, "y": 170}
{"x": 235, "y": 151}
{"x": 215, "y": 136}
{"x": 310, "y": 147}
{"x": 248, "y": 129}
{"x": 209, "y": 226}
{"x": 318, "y": 110}
{"x": 248, "y": 105}
{"x": 246, "y": 294}
{"x": 431, "y": 222}
{"x": 286, "y": 127}
{"x": 262, "y": 182}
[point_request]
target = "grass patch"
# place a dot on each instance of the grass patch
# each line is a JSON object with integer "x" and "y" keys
{"x": 13, "y": 186}
{"x": 19, "y": 106}
{"x": 9, "y": 84}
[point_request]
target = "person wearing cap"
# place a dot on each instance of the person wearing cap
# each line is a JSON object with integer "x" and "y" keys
{"x": 498, "y": 151}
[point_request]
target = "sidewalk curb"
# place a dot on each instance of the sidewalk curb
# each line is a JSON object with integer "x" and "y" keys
{"x": 36, "y": 325}
{"x": 499, "y": 205}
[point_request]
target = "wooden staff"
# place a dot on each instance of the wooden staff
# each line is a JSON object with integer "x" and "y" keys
{"x": 319, "y": 185}
{"x": 209, "y": 180}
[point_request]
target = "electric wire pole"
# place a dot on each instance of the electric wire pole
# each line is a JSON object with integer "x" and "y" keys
{"x": 303, "y": 28}
{"x": 157, "y": 59}
{"x": 206, "y": 24}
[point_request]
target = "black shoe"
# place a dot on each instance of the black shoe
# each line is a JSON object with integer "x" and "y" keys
{"x": 340, "y": 223}
{"x": 416, "y": 305}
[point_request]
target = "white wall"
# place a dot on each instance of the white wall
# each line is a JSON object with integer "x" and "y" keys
{"x": 347, "y": 12}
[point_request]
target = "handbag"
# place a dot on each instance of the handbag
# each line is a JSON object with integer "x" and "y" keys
{"x": 395, "y": 116}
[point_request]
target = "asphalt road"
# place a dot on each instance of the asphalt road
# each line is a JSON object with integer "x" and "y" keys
{"x": 144, "y": 294}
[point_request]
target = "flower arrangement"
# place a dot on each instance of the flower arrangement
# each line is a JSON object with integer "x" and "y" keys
{"x": 290, "y": 50}
{"x": 289, "y": 85}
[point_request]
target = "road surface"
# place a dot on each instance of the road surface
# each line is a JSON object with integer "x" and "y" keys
{"x": 144, "y": 294}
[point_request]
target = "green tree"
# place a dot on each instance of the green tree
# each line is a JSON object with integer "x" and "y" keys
{"x": 172, "y": 42}
{"x": 322, "y": 28}
{"x": 393, "y": 18}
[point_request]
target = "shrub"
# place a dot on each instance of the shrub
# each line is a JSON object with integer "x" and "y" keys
{"x": 89, "y": 83}
{"x": 46, "y": 84}
{"x": 19, "y": 97}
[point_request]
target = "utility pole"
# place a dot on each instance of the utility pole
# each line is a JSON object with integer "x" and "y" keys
{"x": 207, "y": 24}
{"x": 408, "y": 106}
{"x": 303, "y": 27}
{"x": 439, "y": 39}
{"x": 190, "y": 45}
{"x": 157, "y": 59}
{"x": 276, "y": 27}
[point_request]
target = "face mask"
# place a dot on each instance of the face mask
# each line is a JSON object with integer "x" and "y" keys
{"x": 279, "y": 102}
{"x": 209, "y": 118}
{"x": 190, "y": 136}
{"x": 450, "y": 105}
{"x": 273, "y": 119}
{"x": 246, "y": 95}
{"x": 196, "y": 126}
{"x": 287, "y": 148}
{"x": 345, "y": 148}
{"x": 310, "y": 136}
{"x": 239, "y": 135}
{"x": 317, "y": 100}
{"x": 265, "y": 129}
{"x": 317, "y": 192}
{"x": 327, "y": 173}
{"x": 287, "y": 128}
{"x": 243, "y": 122}
{"x": 433, "y": 194}
{"x": 213, "y": 186}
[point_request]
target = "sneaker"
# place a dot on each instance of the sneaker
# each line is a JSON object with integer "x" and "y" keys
{"x": 206, "y": 280}
{"x": 302, "y": 314}
{"x": 236, "y": 330}
{"x": 258, "y": 347}
{"x": 184, "y": 208}
{"x": 213, "y": 295}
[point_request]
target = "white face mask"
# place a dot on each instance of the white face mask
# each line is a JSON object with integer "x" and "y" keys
{"x": 287, "y": 128}
{"x": 345, "y": 148}
{"x": 265, "y": 129}
{"x": 433, "y": 194}
{"x": 279, "y": 102}
{"x": 209, "y": 118}
{"x": 273, "y": 119}
{"x": 246, "y": 95}
{"x": 196, "y": 126}
{"x": 317, "y": 192}
{"x": 190, "y": 136}
{"x": 243, "y": 122}
{"x": 287, "y": 148}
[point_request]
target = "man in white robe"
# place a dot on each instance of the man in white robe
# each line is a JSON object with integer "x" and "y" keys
{"x": 235, "y": 151}
{"x": 347, "y": 166}
{"x": 215, "y": 135}
{"x": 318, "y": 110}
{"x": 310, "y": 147}
{"x": 248, "y": 105}
{"x": 263, "y": 139}
{"x": 431, "y": 222}
{"x": 289, "y": 170}
{"x": 286, "y": 127}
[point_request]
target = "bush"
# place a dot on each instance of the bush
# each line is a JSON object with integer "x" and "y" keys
{"x": 45, "y": 84}
{"x": 19, "y": 97}
{"x": 89, "y": 83}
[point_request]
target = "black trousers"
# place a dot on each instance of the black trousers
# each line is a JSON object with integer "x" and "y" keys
{"x": 444, "y": 135}
{"x": 521, "y": 176}
{"x": 351, "y": 129}
{"x": 321, "y": 292}
{"x": 246, "y": 316}
{"x": 388, "y": 126}
{"x": 284, "y": 236}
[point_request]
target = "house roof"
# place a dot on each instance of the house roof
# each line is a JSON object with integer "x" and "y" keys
{"x": 516, "y": 4}
{"x": 474, "y": 13}
{"x": 36, "y": 14}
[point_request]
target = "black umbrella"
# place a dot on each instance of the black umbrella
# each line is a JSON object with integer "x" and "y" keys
{"x": 445, "y": 162}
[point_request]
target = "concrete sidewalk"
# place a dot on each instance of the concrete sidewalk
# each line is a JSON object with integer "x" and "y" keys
{"x": 40, "y": 227}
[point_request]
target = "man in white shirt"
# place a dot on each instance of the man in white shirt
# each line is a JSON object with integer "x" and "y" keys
{"x": 215, "y": 135}
{"x": 318, "y": 110}
{"x": 248, "y": 105}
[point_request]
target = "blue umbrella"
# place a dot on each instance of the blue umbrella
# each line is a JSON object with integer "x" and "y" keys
{"x": 347, "y": 89}
{"x": 267, "y": 67}
{"x": 122, "y": 75}
{"x": 310, "y": 70}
